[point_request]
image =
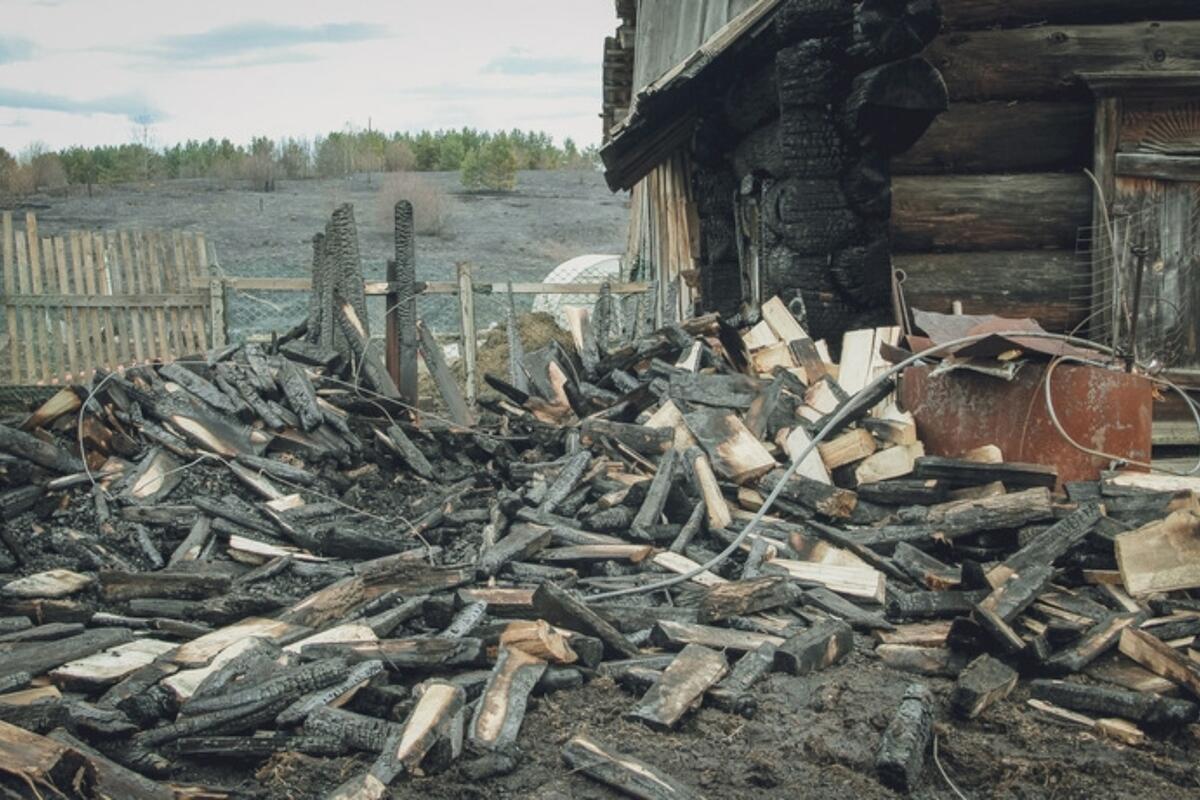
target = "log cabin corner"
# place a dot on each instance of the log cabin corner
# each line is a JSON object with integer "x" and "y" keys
{"x": 862, "y": 158}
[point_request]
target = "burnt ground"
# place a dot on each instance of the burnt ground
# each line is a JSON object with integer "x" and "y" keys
{"x": 812, "y": 737}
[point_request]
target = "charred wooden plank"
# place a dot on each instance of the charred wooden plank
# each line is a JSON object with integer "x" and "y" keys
{"x": 732, "y": 449}
{"x": 300, "y": 395}
{"x": 172, "y": 584}
{"x": 23, "y": 445}
{"x": 1050, "y": 545}
{"x": 1144, "y": 707}
{"x": 622, "y": 772}
{"x": 404, "y": 654}
{"x": 557, "y": 607}
{"x": 354, "y": 731}
{"x": 322, "y": 696}
{"x": 996, "y": 611}
{"x": 900, "y": 759}
{"x": 198, "y": 386}
{"x": 825, "y": 499}
{"x": 669, "y": 633}
{"x": 821, "y": 646}
{"x": 907, "y": 606}
{"x": 681, "y": 687}
{"x": 742, "y": 598}
{"x": 984, "y": 682}
{"x": 501, "y": 709}
{"x": 835, "y": 605}
{"x": 962, "y": 472}
{"x": 37, "y": 658}
{"x": 733, "y": 693}
{"x": 925, "y": 569}
{"x": 639, "y": 438}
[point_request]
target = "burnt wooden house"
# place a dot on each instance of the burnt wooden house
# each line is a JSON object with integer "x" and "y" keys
{"x": 856, "y": 158}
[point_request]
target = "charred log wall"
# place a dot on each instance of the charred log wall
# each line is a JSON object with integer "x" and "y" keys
{"x": 1018, "y": 110}
{"x": 805, "y": 138}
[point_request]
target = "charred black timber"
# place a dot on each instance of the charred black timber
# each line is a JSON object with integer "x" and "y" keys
{"x": 501, "y": 709}
{"x": 892, "y": 105}
{"x": 523, "y": 540}
{"x": 821, "y": 646}
{"x": 37, "y": 658}
{"x": 567, "y": 480}
{"x": 321, "y": 696}
{"x": 639, "y": 438}
{"x": 826, "y": 500}
{"x": 742, "y": 598}
{"x": 405, "y": 654}
{"x": 835, "y": 605}
{"x": 681, "y": 687}
{"x": 174, "y": 584}
{"x": 984, "y": 682}
{"x": 914, "y": 606}
{"x": 198, "y": 386}
{"x": 300, "y": 395}
{"x": 278, "y": 469}
{"x": 925, "y": 569}
{"x": 29, "y": 447}
{"x": 656, "y": 496}
{"x": 886, "y": 30}
{"x": 443, "y": 378}
{"x": 900, "y": 759}
{"x": 257, "y": 747}
{"x": 960, "y": 472}
{"x": 1051, "y": 544}
{"x": 733, "y": 694}
{"x": 1098, "y": 640}
{"x": 558, "y": 607}
{"x": 354, "y": 731}
{"x": 1143, "y": 707}
{"x": 903, "y": 492}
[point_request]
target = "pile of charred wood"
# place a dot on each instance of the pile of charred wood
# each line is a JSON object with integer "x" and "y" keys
{"x": 243, "y": 554}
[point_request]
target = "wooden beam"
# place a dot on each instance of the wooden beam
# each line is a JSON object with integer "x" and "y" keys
{"x": 624, "y": 773}
{"x": 681, "y": 687}
{"x": 1162, "y": 556}
{"x": 993, "y": 212}
{"x": 1044, "y": 61}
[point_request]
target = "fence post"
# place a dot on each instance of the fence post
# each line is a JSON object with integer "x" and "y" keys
{"x": 466, "y": 310}
{"x": 391, "y": 324}
{"x": 406, "y": 303}
{"x": 216, "y": 292}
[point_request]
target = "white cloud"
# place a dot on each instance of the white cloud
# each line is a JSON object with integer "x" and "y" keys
{"x": 299, "y": 67}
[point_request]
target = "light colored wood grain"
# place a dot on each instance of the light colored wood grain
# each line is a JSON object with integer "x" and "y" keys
{"x": 29, "y": 344}
{"x": 10, "y": 287}
{"x": 70, "y": 317}
{"x": 105, "y": 288}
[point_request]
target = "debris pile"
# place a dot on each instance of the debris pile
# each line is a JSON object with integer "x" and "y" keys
{"x": 245, "y": 553}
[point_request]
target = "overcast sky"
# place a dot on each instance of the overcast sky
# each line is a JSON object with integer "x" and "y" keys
{"x": 92, "y": 71}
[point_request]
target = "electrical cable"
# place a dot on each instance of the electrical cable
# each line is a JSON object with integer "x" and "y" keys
{"x": 1191, "y": 404}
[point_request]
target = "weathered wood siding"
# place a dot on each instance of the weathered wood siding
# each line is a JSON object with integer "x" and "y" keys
{"x": 988, "y": 205}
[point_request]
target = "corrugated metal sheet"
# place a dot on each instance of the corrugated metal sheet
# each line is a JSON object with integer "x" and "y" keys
{"x": 668, "y": 31}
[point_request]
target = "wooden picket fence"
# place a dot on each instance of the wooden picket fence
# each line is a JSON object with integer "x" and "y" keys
{"x": 89, "y": 300}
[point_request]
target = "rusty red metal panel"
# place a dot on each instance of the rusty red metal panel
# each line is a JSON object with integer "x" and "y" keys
{"x": 1101, "y": 409}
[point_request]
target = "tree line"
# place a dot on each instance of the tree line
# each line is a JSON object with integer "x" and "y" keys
{"x": 487, "y": 160}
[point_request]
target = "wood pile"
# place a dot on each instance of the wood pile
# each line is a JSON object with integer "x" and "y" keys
{"x": 242, "y": 554}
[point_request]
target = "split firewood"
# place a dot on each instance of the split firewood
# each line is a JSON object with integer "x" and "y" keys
{"x": 1161, "y": 659}
{"x": 1161, "y": 556}
{"x": 983, "y": 683}
{"x": 743, "y": 598}
{"x": 681, "y": 687}
{"x": 501, "y": 708}
{"x": 622, "y": 772}
{"x": 939, "y": 662}
{"x": 821, "y": 646}
{"x": 902, "y": 752}
{"x": 732, "y": 449}
{"x": 667, "y": 633}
